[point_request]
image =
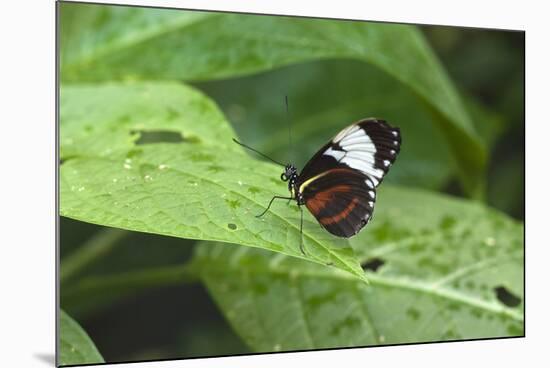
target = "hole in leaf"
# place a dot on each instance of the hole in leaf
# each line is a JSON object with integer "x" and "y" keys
{"x": 157, "y": 136}
{"x": 232, "y": 226}
{"x": 506, "y": 297}
{"x": 373, "y": 264}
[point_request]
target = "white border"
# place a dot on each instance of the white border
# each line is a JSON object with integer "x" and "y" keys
{"x": 27, "y": 172}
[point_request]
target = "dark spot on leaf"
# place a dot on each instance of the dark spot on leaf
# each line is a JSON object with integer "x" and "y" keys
{"x": 476, "y": 312}
{"x": 232, "y": 226}
{"x": 192, "y": 139}
{"x": 498, "y": 222}
{"x": 254, "y": 190}
{"x": 447, "y": 222}
{"x": 157, "y": 136}
{"x": 124, "y": 118}
{"x": 201, "y": 157}
{"x": 318, "y": 300}
{"x": 348, "y": 322}
{"x": 515, "y": 330}
{"x": 134, "y": 152}
{"x": 260, "y": 289}
{"x": 215, "y": 168}
{"x": 88, "y": 128}
{"x": 233, "y": 203}
{"x": 450, "y": 335}
{"x": 373, "y": 264}
{"x": 388, "y": 232}
{"x": 453, "y": 306}
{"x": 470, "y": 284}
{"x": 413, "y": 313}
{"x": 417, "y": 247}
{"x": 382, "y": 233}
{"x": 172, "y": 114}
{"x": 506, "y": 297}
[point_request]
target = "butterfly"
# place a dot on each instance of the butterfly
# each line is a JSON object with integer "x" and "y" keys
{"x": 338, "y": 184}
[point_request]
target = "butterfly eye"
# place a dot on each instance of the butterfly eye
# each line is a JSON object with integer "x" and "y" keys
{"x": 284, "y": 177}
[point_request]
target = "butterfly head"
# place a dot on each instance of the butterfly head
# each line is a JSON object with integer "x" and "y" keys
{"x": 290, "y": 173}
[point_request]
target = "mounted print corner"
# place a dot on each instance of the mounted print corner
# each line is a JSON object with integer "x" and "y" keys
{"x": 235, "y": 183}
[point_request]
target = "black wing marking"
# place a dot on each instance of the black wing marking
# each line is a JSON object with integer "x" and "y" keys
{"x": 369, "y": 146}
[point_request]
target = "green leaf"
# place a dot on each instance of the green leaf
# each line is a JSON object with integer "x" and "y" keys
{"x": 106, "y": 42}
{"x": 75, "y": 346}
{"x": 204, "y": 188}
{"x": 112, "y": 119}
{"x": 434, "y": 265}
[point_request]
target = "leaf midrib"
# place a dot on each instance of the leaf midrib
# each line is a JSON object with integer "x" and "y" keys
{"x": 395, "y": 282}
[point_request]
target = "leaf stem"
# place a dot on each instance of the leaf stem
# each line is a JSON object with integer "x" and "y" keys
{"x": 94, "y": 248}
{"x": 127, "y": 283}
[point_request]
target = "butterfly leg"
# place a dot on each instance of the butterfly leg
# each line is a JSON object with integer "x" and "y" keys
{"x": 301, "y": 232}
{"x": 270, "y": 202}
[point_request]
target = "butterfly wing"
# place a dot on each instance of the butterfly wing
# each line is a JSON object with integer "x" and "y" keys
{"x": 340, "y": 200}
{"x": 339, "y": 183}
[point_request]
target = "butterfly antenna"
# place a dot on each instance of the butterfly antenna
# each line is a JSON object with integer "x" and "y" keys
{"x": 289, "y": 131}
{"x": 258, "y": 152}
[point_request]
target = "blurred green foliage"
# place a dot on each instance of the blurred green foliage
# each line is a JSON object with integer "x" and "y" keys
{"x": 457, "y": 94}
{"x": 75, "y": 346}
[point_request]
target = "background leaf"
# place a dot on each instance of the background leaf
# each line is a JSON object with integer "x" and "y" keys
{"x": 124, "y": 43}
{"x": 75, "y": 346}
{"x": 439, "y": 269}
{"x": 196, "y": 189}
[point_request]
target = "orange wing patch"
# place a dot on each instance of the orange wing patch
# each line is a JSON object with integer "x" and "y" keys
{"x": 340, "y": 216}
{"x": 320, "y": 200}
